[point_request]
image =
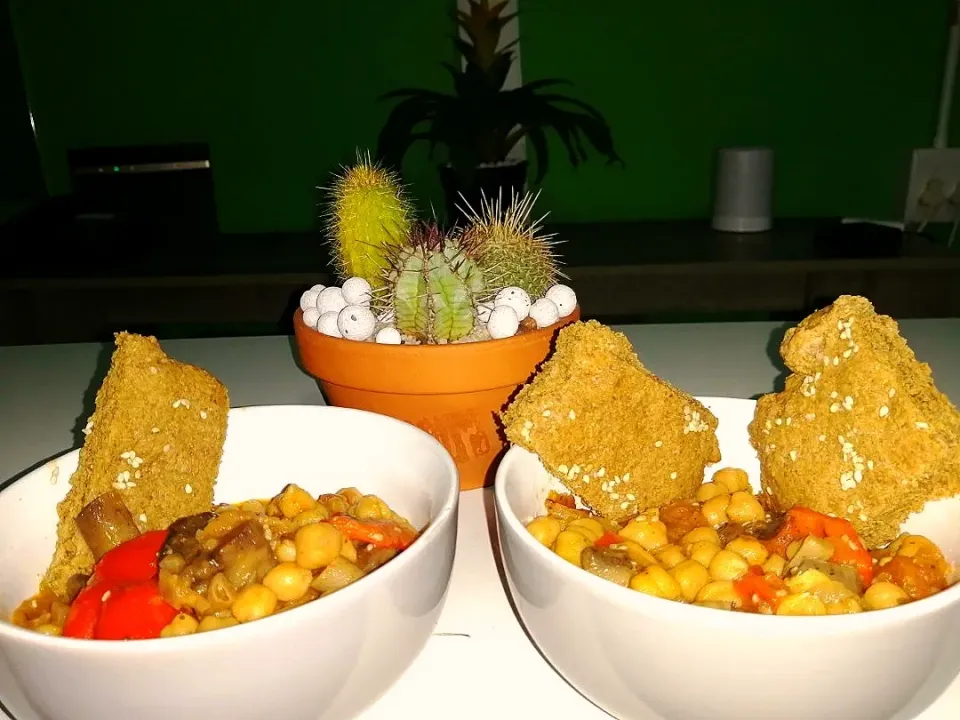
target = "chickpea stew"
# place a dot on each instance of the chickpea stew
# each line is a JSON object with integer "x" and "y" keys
{"x": 724, "y": 549}
{"x": 235, "y": 564}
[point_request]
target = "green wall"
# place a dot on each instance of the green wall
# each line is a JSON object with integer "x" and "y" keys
{"x": 284, "y": 92}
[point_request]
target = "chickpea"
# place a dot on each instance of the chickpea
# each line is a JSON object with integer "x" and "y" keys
{"x": 745, "y": 508}
{"x": 807, "y": 581}
{"x": 715, "y": 510}
{"x": 775, "y": 564}
{"x": 544, "y": 529}
{"x": 317, "y": 545}
{"x": 370, "y": 507}
{"x": 670, "y": 556}
{"x": 318, "y": 513}
{"x": 703, "y": 552}
{"x": 719, "y": 591}
{"x": 570, "y": 544}
{"x": 348, "y": 551}
{"x": 727, "y": 565}
{"x": 710, "y": 490}
{"x": 732, "y": 479}
{"x": 749, "y": 548}
{"x": 648, "y": 534}
{"x": 253, "y": 602}
{"x": 847, "y": 606}
{"x": 288, "y": 581}
{"x": 182, "y": 624}
{"x": 253, "y": 506}
{"x": 212, "y": 622}
{"x": 591, "y": 529}
{"x": 801, "y": 604}
{"x": 350, "y": 495}
{"x": 333, "y": 503}
{"x": 701, "y": 534}
{"x": 286, "y": 551}
{"x": 882, "y": 595}
{"x": 691, "y": 576}
{"x": 293, "y": 500}
{"x": 656, "y": 581}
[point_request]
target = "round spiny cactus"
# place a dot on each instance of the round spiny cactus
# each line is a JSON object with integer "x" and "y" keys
{"x": 504, "y": 241}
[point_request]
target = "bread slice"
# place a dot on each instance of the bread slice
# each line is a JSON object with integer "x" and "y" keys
{"x": 860, "y": 430}
{"x": 156, "y": 435}
{"x": 616, "y": 435}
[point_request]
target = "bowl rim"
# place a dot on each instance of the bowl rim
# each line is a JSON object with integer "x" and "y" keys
{"x": 633, "y": 601}
{"x": 446, "y": 514}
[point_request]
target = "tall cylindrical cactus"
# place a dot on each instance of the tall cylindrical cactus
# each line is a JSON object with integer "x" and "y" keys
{"x": 432, "y": 287}
{"x": 369, "y": 214}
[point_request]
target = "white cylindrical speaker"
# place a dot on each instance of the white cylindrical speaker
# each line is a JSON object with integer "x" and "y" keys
{"x": 743, "y": 194}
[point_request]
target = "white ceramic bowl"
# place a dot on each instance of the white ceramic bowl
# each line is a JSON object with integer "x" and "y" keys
{"x": 638, "y": 656}
{"x": 328, "y": 659}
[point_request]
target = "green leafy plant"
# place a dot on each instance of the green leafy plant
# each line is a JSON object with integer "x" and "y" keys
{"x": 480, "y": 122}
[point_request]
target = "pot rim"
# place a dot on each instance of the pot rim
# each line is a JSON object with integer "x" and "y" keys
{"x": 433, "y": 369}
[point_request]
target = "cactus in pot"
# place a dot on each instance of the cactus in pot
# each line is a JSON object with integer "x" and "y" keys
{"x": 410, "y": 282}
{"x": 432, "y": 288}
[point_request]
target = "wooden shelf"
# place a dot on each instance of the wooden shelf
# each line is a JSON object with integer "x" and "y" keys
{"x": 191, "y": 284}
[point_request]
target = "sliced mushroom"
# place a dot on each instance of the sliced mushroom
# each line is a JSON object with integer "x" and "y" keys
{"x": 812, "y": 548}
{"x": 245, "y": 556}
{"x": 105, "y": 523}
{"x": 612, "y": 565}
{"x": 845, "y": 575}
{"x": 182, "y": 538}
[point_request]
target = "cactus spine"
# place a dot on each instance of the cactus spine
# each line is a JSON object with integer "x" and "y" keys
{"x": 507, "y": 242}
{"x": 369, "y": 214}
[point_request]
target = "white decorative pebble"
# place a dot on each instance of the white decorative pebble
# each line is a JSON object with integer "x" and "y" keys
{"x": 356, "y": 291}
{"x": 545, "y": 312}
{"x": 503, "y": 322}
{"x": 515, "y": 298}
{"x": 330, "y": 300}
{"x": 483, "y": 311}
{"x": 327, "y": 324}
{"x": 356, "y": 322}
{"x": 563, "y": 297}
{"x": 388, "y": 336}
{"x": 309, "y": 299}
{"x": 310, "y": 317}
{"x": 319, "y": 287}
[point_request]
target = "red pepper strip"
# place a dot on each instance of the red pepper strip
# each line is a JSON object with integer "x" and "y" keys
{"x": 608, "y": 539}
{"x": 848, "y": 547}
{"x": 133, "y": 561}
{"x": 85, "y": 611}
{"x": 134, "y": 612}
{"x": 755, "y": 583}
{"x": 380, "y": 533}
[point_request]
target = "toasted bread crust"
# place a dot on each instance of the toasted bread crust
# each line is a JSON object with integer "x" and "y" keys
{"x": 156, "y": 435}
{"x": 860, "y": 430}
{"x": 619, "y": 437}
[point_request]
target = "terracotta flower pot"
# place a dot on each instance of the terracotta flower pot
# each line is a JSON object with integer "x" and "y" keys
{"x": 450, "y": 391}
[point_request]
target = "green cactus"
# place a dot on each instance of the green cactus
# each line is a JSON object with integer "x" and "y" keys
{"x": 504, "y": 240}
{"x": 432, "y": 287}
{"x": 369, "y": 214}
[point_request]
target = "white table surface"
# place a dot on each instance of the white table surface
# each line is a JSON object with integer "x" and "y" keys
{"x": 479, "y": 658}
